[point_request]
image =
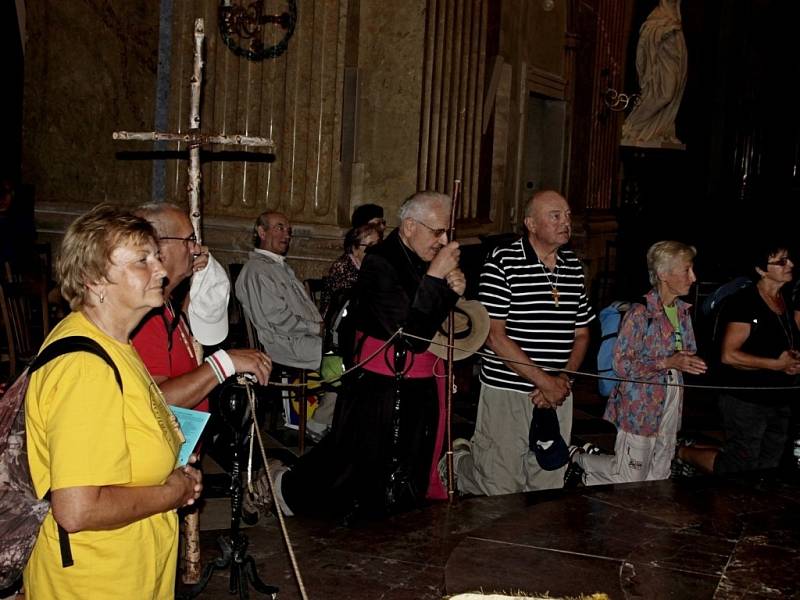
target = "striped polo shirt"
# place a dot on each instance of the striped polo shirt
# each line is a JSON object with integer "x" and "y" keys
{"x": 514, "y": 287}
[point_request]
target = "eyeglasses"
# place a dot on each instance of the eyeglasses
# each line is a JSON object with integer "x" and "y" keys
{"x": 781, "y": 262}
{"x": 367, "y": 244}
{"x": 189, "y": 239}
{"x": 436, "y": 232}
{"x": 282, "y": 227}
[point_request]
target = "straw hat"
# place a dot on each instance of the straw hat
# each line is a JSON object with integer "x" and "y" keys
{"x": 471, "y": 330}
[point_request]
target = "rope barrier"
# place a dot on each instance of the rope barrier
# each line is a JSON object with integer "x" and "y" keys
{"x": 400, "y": 332}
{"x": 255, "y": 433}
{"x": 614, "y": 378}
{"x": 284, "y": 532}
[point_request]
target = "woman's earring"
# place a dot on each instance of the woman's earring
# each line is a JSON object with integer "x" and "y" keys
{"x": 102, "y": 297}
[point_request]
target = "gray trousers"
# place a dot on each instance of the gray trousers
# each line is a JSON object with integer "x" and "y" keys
{"x": 500, "y": 460}
{"x": 637, "y": 457}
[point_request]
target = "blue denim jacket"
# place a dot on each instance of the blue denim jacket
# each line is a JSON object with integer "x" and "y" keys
{"x": 646, "y": 339}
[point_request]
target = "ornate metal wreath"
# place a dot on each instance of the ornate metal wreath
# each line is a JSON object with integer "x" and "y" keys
{"x": 242, "y": 28}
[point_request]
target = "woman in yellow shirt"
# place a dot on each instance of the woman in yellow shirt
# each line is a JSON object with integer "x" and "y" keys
{"x": 108, "y": 457}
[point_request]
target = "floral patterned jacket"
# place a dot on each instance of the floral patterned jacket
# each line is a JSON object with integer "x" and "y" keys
{"x": 645, "y": 340}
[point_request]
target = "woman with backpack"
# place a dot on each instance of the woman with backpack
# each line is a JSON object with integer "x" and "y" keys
{"x": 655, "y": 346}
{"x": 759, "y": 349}
{"x": 101, "y": 439}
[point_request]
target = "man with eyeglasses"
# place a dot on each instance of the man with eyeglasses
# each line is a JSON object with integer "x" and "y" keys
{"x": 288, "y": 322}
{"x": 164, "y": 338}
{"x": 381, "y": 454}
{"x": 165, "y": 341}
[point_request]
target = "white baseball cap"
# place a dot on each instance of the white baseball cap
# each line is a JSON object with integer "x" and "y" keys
{"x": 208, "y": 303}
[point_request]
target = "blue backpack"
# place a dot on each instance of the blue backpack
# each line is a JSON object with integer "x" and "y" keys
{"x": 610, "y": 320}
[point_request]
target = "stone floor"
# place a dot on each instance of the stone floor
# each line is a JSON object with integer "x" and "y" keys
{"x": 689, "y": 538}
{"x": 695, "y": 538}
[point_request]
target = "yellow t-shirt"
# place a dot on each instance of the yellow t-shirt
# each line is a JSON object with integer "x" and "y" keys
{"x": 82, "y": 432}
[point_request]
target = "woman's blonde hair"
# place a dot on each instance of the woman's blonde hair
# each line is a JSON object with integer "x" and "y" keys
{"x": 88, "y": 244}
{"x": 661, "y": 257}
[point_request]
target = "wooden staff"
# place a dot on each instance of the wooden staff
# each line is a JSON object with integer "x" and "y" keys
{"x": 191, "y": 547}
{"x": 194, "y": 125}
{"x": 190, "y": 532}
{"x": 451, "y": 234}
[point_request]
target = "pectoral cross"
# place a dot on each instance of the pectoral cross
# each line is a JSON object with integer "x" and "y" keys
{"x": 554, "y": 292}
{"x": 193, "y": 137}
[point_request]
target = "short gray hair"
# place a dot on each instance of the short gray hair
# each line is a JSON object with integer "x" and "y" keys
{"x": 419, "y": 203}
{"x": 661, "y": 257}
{"x": 154, "y": 213}
{"x": 262, "y": 220}
{"x": 155, "y": 208}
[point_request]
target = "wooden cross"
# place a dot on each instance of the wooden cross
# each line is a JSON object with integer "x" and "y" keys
{"x": 193, "y": 137}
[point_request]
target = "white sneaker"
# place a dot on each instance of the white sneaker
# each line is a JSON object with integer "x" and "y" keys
{"x": 462, "y": 444}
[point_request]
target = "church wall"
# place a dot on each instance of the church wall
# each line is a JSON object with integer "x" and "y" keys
{"x": 294, "y": 99}
{"x": 101, "y": 66}
{"x": 391, "y": 54}
{"x": 89, "y": 67}
{"x": 454, "y": 108}
{"x": 355, "y": 108}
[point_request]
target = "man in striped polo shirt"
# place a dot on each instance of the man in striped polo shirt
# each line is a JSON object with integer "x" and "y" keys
{"x": 535, "y": 294}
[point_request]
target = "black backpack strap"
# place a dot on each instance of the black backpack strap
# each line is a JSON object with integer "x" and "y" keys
{"x": 74, "y": 343}
{"x": 649, "y": 319}
{"x": 67, "y": 345}
{"x": 610, "y": 336}
{"x": 63, "y": 542}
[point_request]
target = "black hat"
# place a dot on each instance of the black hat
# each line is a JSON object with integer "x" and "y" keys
{"x": 545, "y": 440}
{"x": 365, "y": 213}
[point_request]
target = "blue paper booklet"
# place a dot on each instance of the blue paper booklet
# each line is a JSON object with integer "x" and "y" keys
{"x": 192, "y": 423}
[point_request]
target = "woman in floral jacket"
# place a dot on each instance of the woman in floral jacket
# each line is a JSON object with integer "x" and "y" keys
{"x": 656, "y": 344}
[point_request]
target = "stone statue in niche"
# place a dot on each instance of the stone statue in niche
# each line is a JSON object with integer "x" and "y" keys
{"x": 661, "y": 66}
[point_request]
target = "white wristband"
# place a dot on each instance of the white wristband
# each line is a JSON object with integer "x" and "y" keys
{"x": 227, "y": 363}
{"x": 222, "y": 365}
